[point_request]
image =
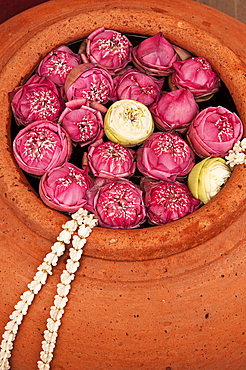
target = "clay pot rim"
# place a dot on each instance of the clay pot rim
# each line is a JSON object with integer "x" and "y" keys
{"x": 137, "y": 244}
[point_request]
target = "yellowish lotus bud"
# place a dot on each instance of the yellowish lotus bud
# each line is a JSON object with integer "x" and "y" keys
{"x": 128, "y": 122}
{"x": 207, "y": 177}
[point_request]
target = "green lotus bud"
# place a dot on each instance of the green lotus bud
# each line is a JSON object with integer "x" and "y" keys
{"x": 207, "y": 177}
{"x": 128, "y": 122}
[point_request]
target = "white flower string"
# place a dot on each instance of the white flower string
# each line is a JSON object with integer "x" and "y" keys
{"x": 87, "y": 222}
{"x": 237, "y": 154}
{"x": 57, "y": 250}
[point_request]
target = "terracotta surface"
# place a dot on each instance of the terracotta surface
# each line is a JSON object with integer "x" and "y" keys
{"x": 170, "y": 297}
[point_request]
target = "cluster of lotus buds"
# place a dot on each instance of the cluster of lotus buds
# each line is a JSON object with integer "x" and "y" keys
{"x": 116, "y": 127}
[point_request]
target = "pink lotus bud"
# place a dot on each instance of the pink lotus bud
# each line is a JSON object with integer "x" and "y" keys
{"x": 167, "y": 201}
{"x": 174, "y": 111}
{"x": 136, "y": 85}
{"x": 165, "y": 156}
{"x": 63, "y": 188}
{"x": 89, "y": 82}
{"x": 58, "y": 63}
{"x": 195, "y": 74}
{"x": 40, "y": 146}
{"x": 214, "y": 131}
{"x": 155, "y": 56}
{"x": 83, "y": 124}
{"x": 38, "y": 99}
{"x": 117, "y": 203}
{"x": 111, "y": 160}
{"x": 109, "y": 49}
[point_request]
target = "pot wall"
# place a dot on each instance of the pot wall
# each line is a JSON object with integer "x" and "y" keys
{"x": 168, "y": 297}
{"x": 185, "y": 311}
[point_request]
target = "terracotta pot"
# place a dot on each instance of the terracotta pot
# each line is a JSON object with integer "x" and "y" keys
{"x": 169, "y": 297}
